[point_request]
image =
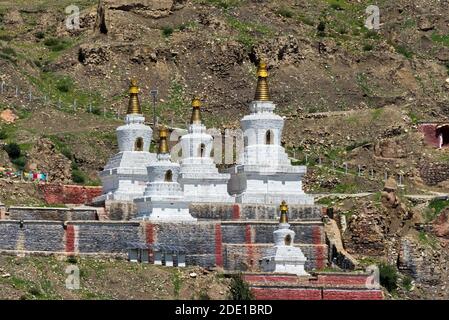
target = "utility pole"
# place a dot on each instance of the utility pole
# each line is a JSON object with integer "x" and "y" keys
{"x": 153, "y": 94}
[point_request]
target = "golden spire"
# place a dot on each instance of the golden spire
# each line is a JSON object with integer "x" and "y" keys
{"x": 134, "y": 104}
{"x": 163, "y": 145}
{"x": 262, "y": 91}
{"x": 196, "y": 111}
{"x": 284, "y": 210}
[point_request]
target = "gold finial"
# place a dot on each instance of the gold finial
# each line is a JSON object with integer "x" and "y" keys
{"x": 284, "y": 210}
{"x": 262, "y": 91}
{"x": 134, "y": 104}
{"x": 163, "y": 145}
{"x": 196, "y": 111}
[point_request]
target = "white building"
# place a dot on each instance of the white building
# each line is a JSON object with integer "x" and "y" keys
{"x": 284, "y": 257}
{"x": 125, "y": 175}
{"x": 264, "y": 173}
{"x": 163, "y": 199}
{"x": 199, "y": 176}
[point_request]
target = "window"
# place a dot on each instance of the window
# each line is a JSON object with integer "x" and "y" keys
{"x": 168, "y": 176}
{"x": 202, "y": 150}
{"x": 138, "y": 146}
{"x": 269, "y": 139}
{"x": 288, "y": 240}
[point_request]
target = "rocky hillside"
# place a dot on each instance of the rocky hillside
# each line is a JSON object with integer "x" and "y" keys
{"x": 339, "y": 85}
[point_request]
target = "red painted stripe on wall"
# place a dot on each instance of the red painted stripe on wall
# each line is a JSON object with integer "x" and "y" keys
{"x": 286, "y": 294}
{"x": 249, "y": 245}
{"x": 352, "y": 295}
{"x": 236, "y": 212}
{"x": 70, "y": 239}
{"x": 149, "y": 233}
{"x": 218, "y": 246}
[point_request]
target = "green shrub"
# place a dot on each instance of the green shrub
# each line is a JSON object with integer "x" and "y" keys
{"x": 64, "y": 84}
{"x": 3, "y": 134}
{"x": 407, "y": 283}
{"x": 167, "y": 31}
{"x": 438, "y": 205}
{"x": 20, "y": 162}
{"x": 404, "y": 51}
{"x": 56, "y": 44}
{"x": 285, "y": 12}
{"x": 388, "y": 277}
{"x": 239, "y": 289}
{"x": 72, "y": 260}
{"x": 9, "y": 51}
{"x": 78, "y": 176}
{"x": 13, "y": 150}
{"x": 204, "y": 295}
{"x": 321, "y": 28}
{"x": 6, "y": 37}
{"x": 368, "y": 47}
{"x": 40, "y": 35}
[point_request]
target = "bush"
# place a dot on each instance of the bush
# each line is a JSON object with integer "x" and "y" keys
{"x": 56, "y": 44}
{"x": 64, "y": 84}
{"x": 72, "y": 260}
{"x": 407, "y": 283}
{"x": 3, "y": 134}
{"x": 20, "y": 162}
{"x": 368, "y": 47}
{"x": 239, "y": 289}
{"x": 321, "y": 28}
{"x": 285, "y": 12}
{"x": 40, "y": 35}
{"x": 388, "y": 277}
{"x": 78, "y": 176}
{"x": 167, "y": 31}
{"x": 13, "y": 150}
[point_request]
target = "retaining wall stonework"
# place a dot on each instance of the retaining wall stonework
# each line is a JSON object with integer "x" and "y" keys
{"x": 207, "y": 242}
{"x": 56, "y": 214}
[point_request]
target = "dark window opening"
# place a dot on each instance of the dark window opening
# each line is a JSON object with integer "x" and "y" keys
{"x": 202, "y": 150}
{"x": 269, "y": 137}
{"x": 139, "y": 144}
{"x": 169, "y": 176}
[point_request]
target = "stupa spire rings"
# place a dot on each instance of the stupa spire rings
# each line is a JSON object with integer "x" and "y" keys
{"x": 196, "y": 111}
{"x": 163, "y": 145}
{"x": 284, "y": 212}
{"x": 262, "y": 90}
{"x": 134, "y": 103}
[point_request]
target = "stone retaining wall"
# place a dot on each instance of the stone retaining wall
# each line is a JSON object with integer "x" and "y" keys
{"x": 56, "y": 214}
{"x": 207, "y": 243}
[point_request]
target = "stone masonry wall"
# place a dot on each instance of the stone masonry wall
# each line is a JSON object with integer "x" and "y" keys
{"x": 56, "y": 214}
{"x": 252, "y": 212}
{"x": 207, "y": 243}
{"x": 434, "y": 173}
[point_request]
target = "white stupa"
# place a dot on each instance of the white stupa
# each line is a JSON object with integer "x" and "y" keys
{"x": 284, "y": 257}
{"x": 163, "y": 199}
{"x": 125, "y": 175}
{"x": 268, "y": 175}
{"x": 199, "y": 176}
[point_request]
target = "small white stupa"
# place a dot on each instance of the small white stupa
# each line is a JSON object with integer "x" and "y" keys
{"x": 264, "y": 167}
{"x": 163, "y": 199}
{"x": 284, "y": 257}
{"x": 199, "y": 176}
{"x": 125, "y": 175}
